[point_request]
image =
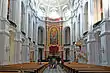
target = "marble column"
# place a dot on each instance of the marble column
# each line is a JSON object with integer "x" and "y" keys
{"x": 105, "y": 43}
{"x": 4, "y": 32}
{"x": 90, "y": 36}
{"x": 18, "y": 47}
{"x": 36, "y": 53}
{"x": 4, "y": 8}
{"x": 17, "y": 20}
{"x": 0, "y": 7}
{"x": 27, "y": 50}
{"x": 27, "y": 39}
{"x": 105, "y": 33}
{"x": 90, "y": 15}
{"x": 91, "y": 48}
{"x": 4, "y": 44}
{"x": 106, "y": 9}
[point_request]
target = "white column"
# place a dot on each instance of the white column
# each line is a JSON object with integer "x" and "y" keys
{"x": 81, "y": 22}
{"x": 4, "y": 8}
{"x": 96, "y": 53}
{"x": 105, "y": 33}
{"x": 90, "y": 14}
{"x": 26, "y": 23}
{"x": 91, "y": 48}
{"x": 27, "y": 50}
{"x": 17, "y": 20}
{"x": 18, "y": 14}
{"x": 36, "y": 53}
{"x": 90, "y": 38}
{"x": 109, "y": 8}
{"x": 106, "y": 9}
{"x": 105, "y": 44}
{"x": 4, "y": 34}
{"x": 31, "y": 28}
{"x": 27, "y": 40}
{"x": 0, "y": 7}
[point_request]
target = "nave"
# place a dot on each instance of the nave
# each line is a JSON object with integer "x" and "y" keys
{"x": 67, "y": 67}
{"x": 55, "y": 70}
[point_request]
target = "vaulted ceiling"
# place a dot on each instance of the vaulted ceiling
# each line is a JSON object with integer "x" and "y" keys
{"x": 54, "y": 8}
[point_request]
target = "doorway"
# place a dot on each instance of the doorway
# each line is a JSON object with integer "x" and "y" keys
{"x": 40, "y": 54}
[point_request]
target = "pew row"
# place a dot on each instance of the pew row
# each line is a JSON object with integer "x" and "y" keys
{"x": 85, "y": 68}
{"x": 24, "y": 67}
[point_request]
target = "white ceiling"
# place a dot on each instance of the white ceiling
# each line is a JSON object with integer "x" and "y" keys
{"x": 54, "y": 3}
{"x": 53, "y": 8}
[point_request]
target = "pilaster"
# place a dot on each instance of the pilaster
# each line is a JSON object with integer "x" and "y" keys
{"x": 4, "y": 37}
{"x": 36, "y": 53}
{"x": 105, "y": 43}
{"x": 0, "y": 7}
{"x": 4, "y": 8}
{"x": 91, "y": 48}
{"x": 106, "y": 9}
{"x": 18, "y": 47}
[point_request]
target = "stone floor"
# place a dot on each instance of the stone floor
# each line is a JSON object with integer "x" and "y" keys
{"x": 57, "y": 70}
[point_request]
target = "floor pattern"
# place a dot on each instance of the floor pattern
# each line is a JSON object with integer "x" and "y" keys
{"x": 57, "y": 70}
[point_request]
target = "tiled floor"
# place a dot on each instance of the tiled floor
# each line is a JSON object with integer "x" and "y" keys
{"x": 57, "y": 70}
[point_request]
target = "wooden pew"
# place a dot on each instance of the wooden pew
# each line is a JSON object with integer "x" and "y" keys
{"x": 85, "y": 68}
{"x": 24, "y": 67}
{"x": 93, "y": 72}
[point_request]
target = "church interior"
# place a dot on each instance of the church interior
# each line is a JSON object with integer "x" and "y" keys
{"x": 54, "y": 36}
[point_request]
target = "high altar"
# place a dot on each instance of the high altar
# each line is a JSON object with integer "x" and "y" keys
{"x": 53, "y": 44}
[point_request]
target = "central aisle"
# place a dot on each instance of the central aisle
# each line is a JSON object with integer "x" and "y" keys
{"x": 57, "y": 70}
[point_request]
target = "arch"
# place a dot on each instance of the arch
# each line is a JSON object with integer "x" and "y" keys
{"x": 40, "y": 35}
{"x": 86, "y": 17}
{"x": 67, "y": 35}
